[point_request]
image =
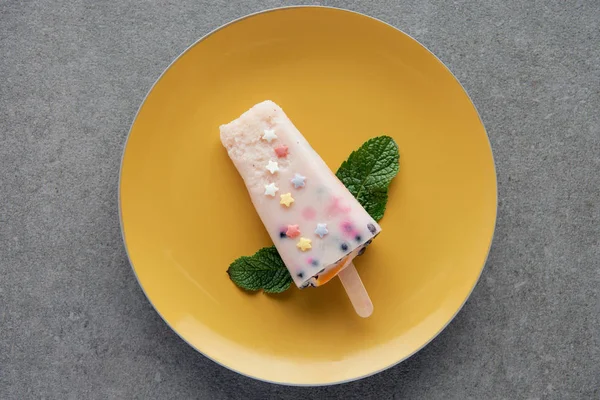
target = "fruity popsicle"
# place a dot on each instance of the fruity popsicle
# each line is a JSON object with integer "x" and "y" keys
{"x": 316, "y": 224}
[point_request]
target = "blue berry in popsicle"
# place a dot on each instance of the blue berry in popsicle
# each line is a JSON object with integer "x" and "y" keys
{"x": 371, "y": 228}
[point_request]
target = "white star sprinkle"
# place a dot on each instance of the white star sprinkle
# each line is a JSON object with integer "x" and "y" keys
{"x": 269, "y": 135}
{"x": 272, "y": 166}
{"x": 298, "y": 181}
{"x": 271, "y": 189}
{"x": 321, "y": 230}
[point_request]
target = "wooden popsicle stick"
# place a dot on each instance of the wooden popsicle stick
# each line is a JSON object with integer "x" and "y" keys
{"x": 356, "y": 290}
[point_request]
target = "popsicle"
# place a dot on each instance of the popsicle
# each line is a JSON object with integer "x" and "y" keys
{"x": 316, "y": 224}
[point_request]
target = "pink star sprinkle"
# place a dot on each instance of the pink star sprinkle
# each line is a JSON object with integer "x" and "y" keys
{"x": 281, "y": 151}
{"x": 292, "y": 231}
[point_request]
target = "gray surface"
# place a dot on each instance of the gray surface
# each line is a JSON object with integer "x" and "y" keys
{"x": 73, "y": 321}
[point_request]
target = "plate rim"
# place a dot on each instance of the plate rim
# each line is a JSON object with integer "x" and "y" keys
{"x": 223, "y": 26}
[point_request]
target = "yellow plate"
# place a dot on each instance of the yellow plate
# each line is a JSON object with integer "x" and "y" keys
{"x": 342, "y": 78}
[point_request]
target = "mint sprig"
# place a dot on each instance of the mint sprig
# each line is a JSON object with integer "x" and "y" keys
{"x": 367, "y": 173}
{"x": 264, "y": 270}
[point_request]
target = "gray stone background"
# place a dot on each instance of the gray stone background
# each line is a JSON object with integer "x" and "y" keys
{"x": 75, "y": 325}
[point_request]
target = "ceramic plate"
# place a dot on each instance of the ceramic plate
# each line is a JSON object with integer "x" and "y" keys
{"x": 342, "y": 78}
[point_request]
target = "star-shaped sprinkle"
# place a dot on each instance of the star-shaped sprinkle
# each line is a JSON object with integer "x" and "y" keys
{"x": 321, "y": 230}
{"x": 269, "y": 135}
{"x": 304, "y": 244}
{"x": 281, "y": 151}
{"x": 292, "y": 231}
{"x": 298, "y": 181}
{"x": 272, "y": 166}
{"x": 286, "y": 199}
{"x": 271, "y": 189}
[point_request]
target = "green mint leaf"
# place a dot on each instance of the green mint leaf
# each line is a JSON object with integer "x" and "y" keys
{"x": 368, "y": 171}
{"x": 264, "y": 270}
{"x": 367, "y": 174}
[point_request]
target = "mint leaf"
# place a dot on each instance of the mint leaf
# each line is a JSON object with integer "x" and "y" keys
{"x": 367, "y": 174}
{"x": 368, "y": 171}
{"x": 264, "y": 270}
